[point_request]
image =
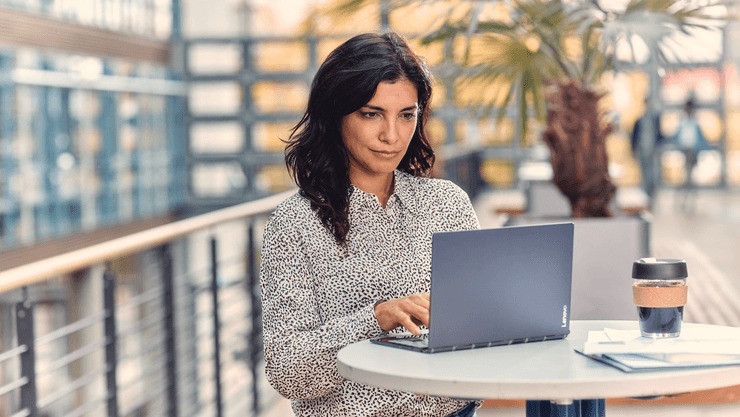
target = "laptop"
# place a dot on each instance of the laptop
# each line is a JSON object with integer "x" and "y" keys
{"x": 493, "y": 287}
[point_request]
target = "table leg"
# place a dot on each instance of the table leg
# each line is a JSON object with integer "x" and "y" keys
{"x": 593, "y": 408}
{"x": 538, "y": 408}
{"x": 580, "y": 408}
{"x": 563, "y": 408}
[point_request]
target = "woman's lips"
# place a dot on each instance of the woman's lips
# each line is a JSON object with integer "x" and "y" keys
{"x": 386, "y": 154}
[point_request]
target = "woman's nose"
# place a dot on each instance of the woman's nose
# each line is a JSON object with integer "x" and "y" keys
{"x": 389, "y": 133}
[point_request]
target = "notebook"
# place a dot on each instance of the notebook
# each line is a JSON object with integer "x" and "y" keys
{"x": 492, "y": 287}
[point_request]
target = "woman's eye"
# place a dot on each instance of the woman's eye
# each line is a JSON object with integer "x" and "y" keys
{"x": 370, "y": 114}
{"x": 408, "y": 116}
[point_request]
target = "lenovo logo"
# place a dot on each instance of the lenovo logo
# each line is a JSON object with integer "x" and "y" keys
{"x": 565, "y": 316}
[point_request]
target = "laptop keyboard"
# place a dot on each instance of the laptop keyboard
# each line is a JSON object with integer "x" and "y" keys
{"x": 408, "y": 339}
{"x": 423, "y": 336}
{"x": 418, "y": 341}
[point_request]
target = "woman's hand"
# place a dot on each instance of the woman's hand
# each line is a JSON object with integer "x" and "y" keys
{"x": 409, "y": 312}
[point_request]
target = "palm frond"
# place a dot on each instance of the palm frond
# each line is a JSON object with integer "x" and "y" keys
{"x": 346, "y": 9}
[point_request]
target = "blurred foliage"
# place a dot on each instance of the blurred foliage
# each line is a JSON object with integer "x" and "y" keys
{"x": 508, "y": 52}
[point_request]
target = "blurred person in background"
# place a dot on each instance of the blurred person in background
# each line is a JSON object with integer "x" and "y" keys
{"x": 645, "y": 143}
{"x": 348, "y": 257}
{"x": 690, "y": 141}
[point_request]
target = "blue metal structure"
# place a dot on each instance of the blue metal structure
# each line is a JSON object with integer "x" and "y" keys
{"x": 9, "y": 166}
{"x": 108, "y": 199}
{"x": 89, "y": 141}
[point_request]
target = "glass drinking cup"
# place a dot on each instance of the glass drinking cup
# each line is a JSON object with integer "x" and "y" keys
{"x": 660, "y": 292}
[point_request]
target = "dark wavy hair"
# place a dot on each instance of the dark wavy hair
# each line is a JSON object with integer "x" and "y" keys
{"x": 315, "y": 154}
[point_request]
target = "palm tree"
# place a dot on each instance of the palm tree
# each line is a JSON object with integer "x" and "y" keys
{"x": 547, "y": 58}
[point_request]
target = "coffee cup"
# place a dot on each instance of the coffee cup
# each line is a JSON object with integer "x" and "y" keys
{"x": 660, "y": 292}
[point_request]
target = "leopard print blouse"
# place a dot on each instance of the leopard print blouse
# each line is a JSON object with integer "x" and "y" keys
{"x": 318, "y": 296}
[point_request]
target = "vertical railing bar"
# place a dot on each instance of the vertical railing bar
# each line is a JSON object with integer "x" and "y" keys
{"x": 191, "y": 379}
{"x": 216, "y": 327}
{"x": 25, "y": 332}
{"x": 168, "y": 303}
{"x": 111, "y": 338}
{"x": 255, "y": 311}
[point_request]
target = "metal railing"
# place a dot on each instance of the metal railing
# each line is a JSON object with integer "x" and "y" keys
{"x": 162, "y": 322}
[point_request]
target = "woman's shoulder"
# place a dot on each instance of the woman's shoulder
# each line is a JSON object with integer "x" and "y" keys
{"x": 436, "y": 187}
{"x": 292, "y": 210}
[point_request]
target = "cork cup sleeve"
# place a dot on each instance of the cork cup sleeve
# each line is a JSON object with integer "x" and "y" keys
{"x": 672, "y": 296}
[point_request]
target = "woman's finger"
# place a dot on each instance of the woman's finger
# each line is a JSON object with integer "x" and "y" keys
{"x": 419, "y": 314}
{"x": 409, "y": 324}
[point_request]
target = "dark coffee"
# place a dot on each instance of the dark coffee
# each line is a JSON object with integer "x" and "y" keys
{"x": 659, "y": 291}
{"x": 665, "y": 320}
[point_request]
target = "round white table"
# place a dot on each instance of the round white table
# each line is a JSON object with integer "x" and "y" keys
{"x": 548, "y": 371}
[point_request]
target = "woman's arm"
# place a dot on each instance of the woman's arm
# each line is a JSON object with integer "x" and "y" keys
{"x": 300, "y": 346}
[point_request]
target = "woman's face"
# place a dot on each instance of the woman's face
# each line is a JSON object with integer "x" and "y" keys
{"x": 378, "y": 134}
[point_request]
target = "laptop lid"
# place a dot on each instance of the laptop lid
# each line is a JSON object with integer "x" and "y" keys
{"x": 499, "y": 286}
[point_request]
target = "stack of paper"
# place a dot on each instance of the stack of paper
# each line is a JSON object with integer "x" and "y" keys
{"x": 696, "y": 347}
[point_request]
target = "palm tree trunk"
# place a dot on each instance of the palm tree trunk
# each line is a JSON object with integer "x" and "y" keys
{"x": 576, "y": 136}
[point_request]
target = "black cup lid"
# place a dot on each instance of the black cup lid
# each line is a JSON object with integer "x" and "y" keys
{"x": 652, "y": 268}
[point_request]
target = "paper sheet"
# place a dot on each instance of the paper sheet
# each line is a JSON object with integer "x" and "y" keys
{"x": 697, "y": 340}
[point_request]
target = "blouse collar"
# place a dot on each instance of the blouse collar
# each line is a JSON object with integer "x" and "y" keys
{"x": 402, "y": 190}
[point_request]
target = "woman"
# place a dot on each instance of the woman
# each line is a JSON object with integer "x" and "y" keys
{"x": 349, "y": 256}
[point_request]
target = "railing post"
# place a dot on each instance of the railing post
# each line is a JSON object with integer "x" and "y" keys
{"x": 255, "y": 311}
{"x": 25, "y": 332}
{"x": 111, "y": 341}
{"x": 168, "y": 303}
{"x": 216, "y": 327}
